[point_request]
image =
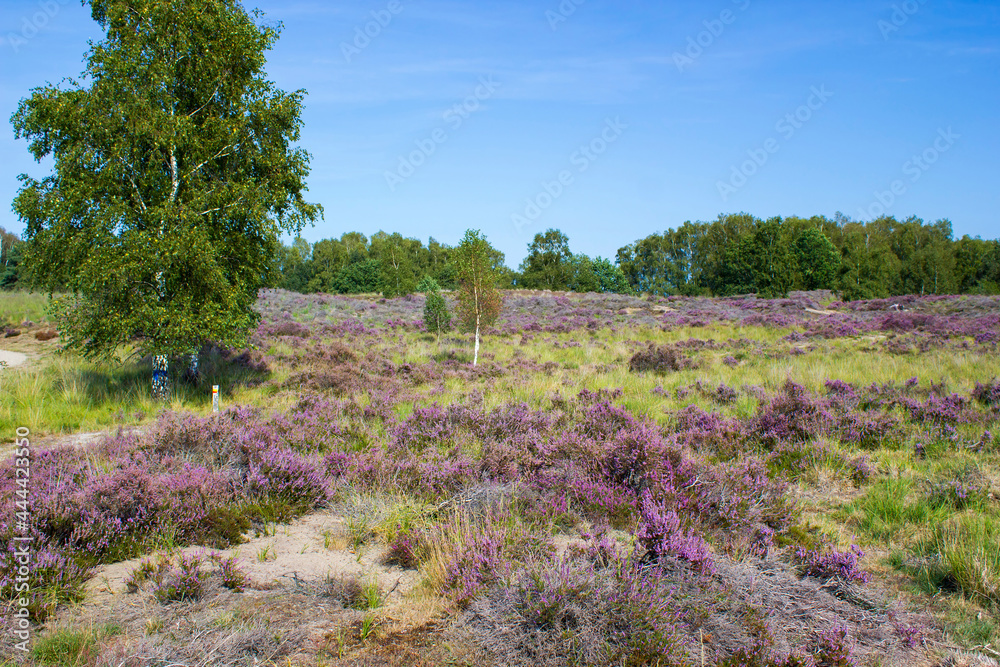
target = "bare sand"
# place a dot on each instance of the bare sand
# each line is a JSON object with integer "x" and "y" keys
{"x": 11, "y": 359}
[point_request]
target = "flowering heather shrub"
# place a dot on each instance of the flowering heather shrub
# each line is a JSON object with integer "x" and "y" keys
{"x": 55, "y": 578}
{"x": 278, "y": 475}
{"x": 233, "y": 576}
{"x": 724, "y": 394}
{"x": 476, "y": 565}
{"x": 793, "y": 416}
{"x": 911, "y": 636}
{"x": 987, "y": 338}
{"x": 662, "y": 359}
{"x": 699, "y": 429}
{"x": 286, "y": 328}
{"x": 404, "y": 549}
{"x": 601, "y": 550}
{"x": 747, "y": 507}
{"x": 860, "y": 470}
{"x": 947, "y": 410}
{"x": 866, "y": 431}
{"x": 731, "y": 361}
{"x": 841, "y": 389}
{"x": 183, "y": 582}
{"x": 198, "y": 505}
{"x": 988, "y": 394}
{"x": 661, "y": 534}
{"x": 425, "y": 427}
{"x": 832, "y": 648}
{"x": 832, "y": 563}
{"x": 619, "y": 615}
{"x": 105, "y": 518}
{"x": 965, "y": 488}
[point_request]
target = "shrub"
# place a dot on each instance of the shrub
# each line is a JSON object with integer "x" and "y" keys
{"x": 476, "y": 565}
{"x": 437, "y": 317}
{"x": 661, "y": 534}
{"x": 860, "y": 470}
{"x": 291, "y": 328}
{"x": 568, "y": 612}
{"x": 428, "y": 284}
{"x": 832, "y": 648}
{"x": 233, "y": 576}
{"x": 987, "y": 394}
{"x": 284, "y": 478}
{"x": 662, "y": 359}
{"x": 793, "y": 416}
{"x": 963, "y": 488}
{"x": 832, "y": 563}
{"x": 169, "y": 583}
{"x": 404, "y": 549}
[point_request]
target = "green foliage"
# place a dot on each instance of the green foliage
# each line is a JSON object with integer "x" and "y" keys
{"x": 428, "y": 284}
{"x": 359, "y": 278}
{"x": 761, "y": 263}
{"x": 397, "y": 259}
{"x": 868, "y": 269}
{"x": 173, "y": 173}
{"x": 610, "y": 278}
{"x": 738, "y": 254}
{"x": 549, "y": 262}
{"x": 818, "y": 260}
{"x": 437, "y": 318}
{"x": 11, "y": 253}
{"x": 479, "y": 301}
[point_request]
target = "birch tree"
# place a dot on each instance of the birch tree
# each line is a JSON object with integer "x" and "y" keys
{"x": 479, "y": 300}
{"x": 174, "y": 173}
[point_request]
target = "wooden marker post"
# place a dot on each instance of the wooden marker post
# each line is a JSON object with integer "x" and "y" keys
{"x": 215, "y": 398}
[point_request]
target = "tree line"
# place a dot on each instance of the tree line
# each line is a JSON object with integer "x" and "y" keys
{"x": 741, "y": 254}
{"x": 393, "y": 265}
{"x": 734, "y": 254}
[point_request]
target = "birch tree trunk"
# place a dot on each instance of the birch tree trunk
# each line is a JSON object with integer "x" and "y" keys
{"x": 161, "y": 378}
{"x": 475, "y": 356}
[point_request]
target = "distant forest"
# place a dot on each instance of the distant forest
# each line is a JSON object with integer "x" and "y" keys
{"x": 735, "y": 254}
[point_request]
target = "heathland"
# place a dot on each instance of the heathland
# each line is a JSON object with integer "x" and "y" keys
{"x": 619, "y": 481}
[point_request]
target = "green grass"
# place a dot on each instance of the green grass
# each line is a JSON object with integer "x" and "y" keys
{"x": 891, "y": 506}
{"x": 964, "y": 554}
{"x": 69, "y": 647}
{"x": 19, "y": 306}
{"x": 67, "y": 394}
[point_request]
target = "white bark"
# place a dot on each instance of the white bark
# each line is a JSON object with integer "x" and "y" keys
{"x": 475, "y": 356}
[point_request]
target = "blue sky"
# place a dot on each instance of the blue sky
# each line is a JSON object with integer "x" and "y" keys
{"x": 606, "y": 120}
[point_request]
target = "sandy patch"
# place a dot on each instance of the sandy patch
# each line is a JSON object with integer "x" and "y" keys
{"x": 304, "y": 552}
{"x": 11, "y": 359}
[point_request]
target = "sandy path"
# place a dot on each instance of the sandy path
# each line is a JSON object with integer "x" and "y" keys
{"x": 12, "y": 358}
